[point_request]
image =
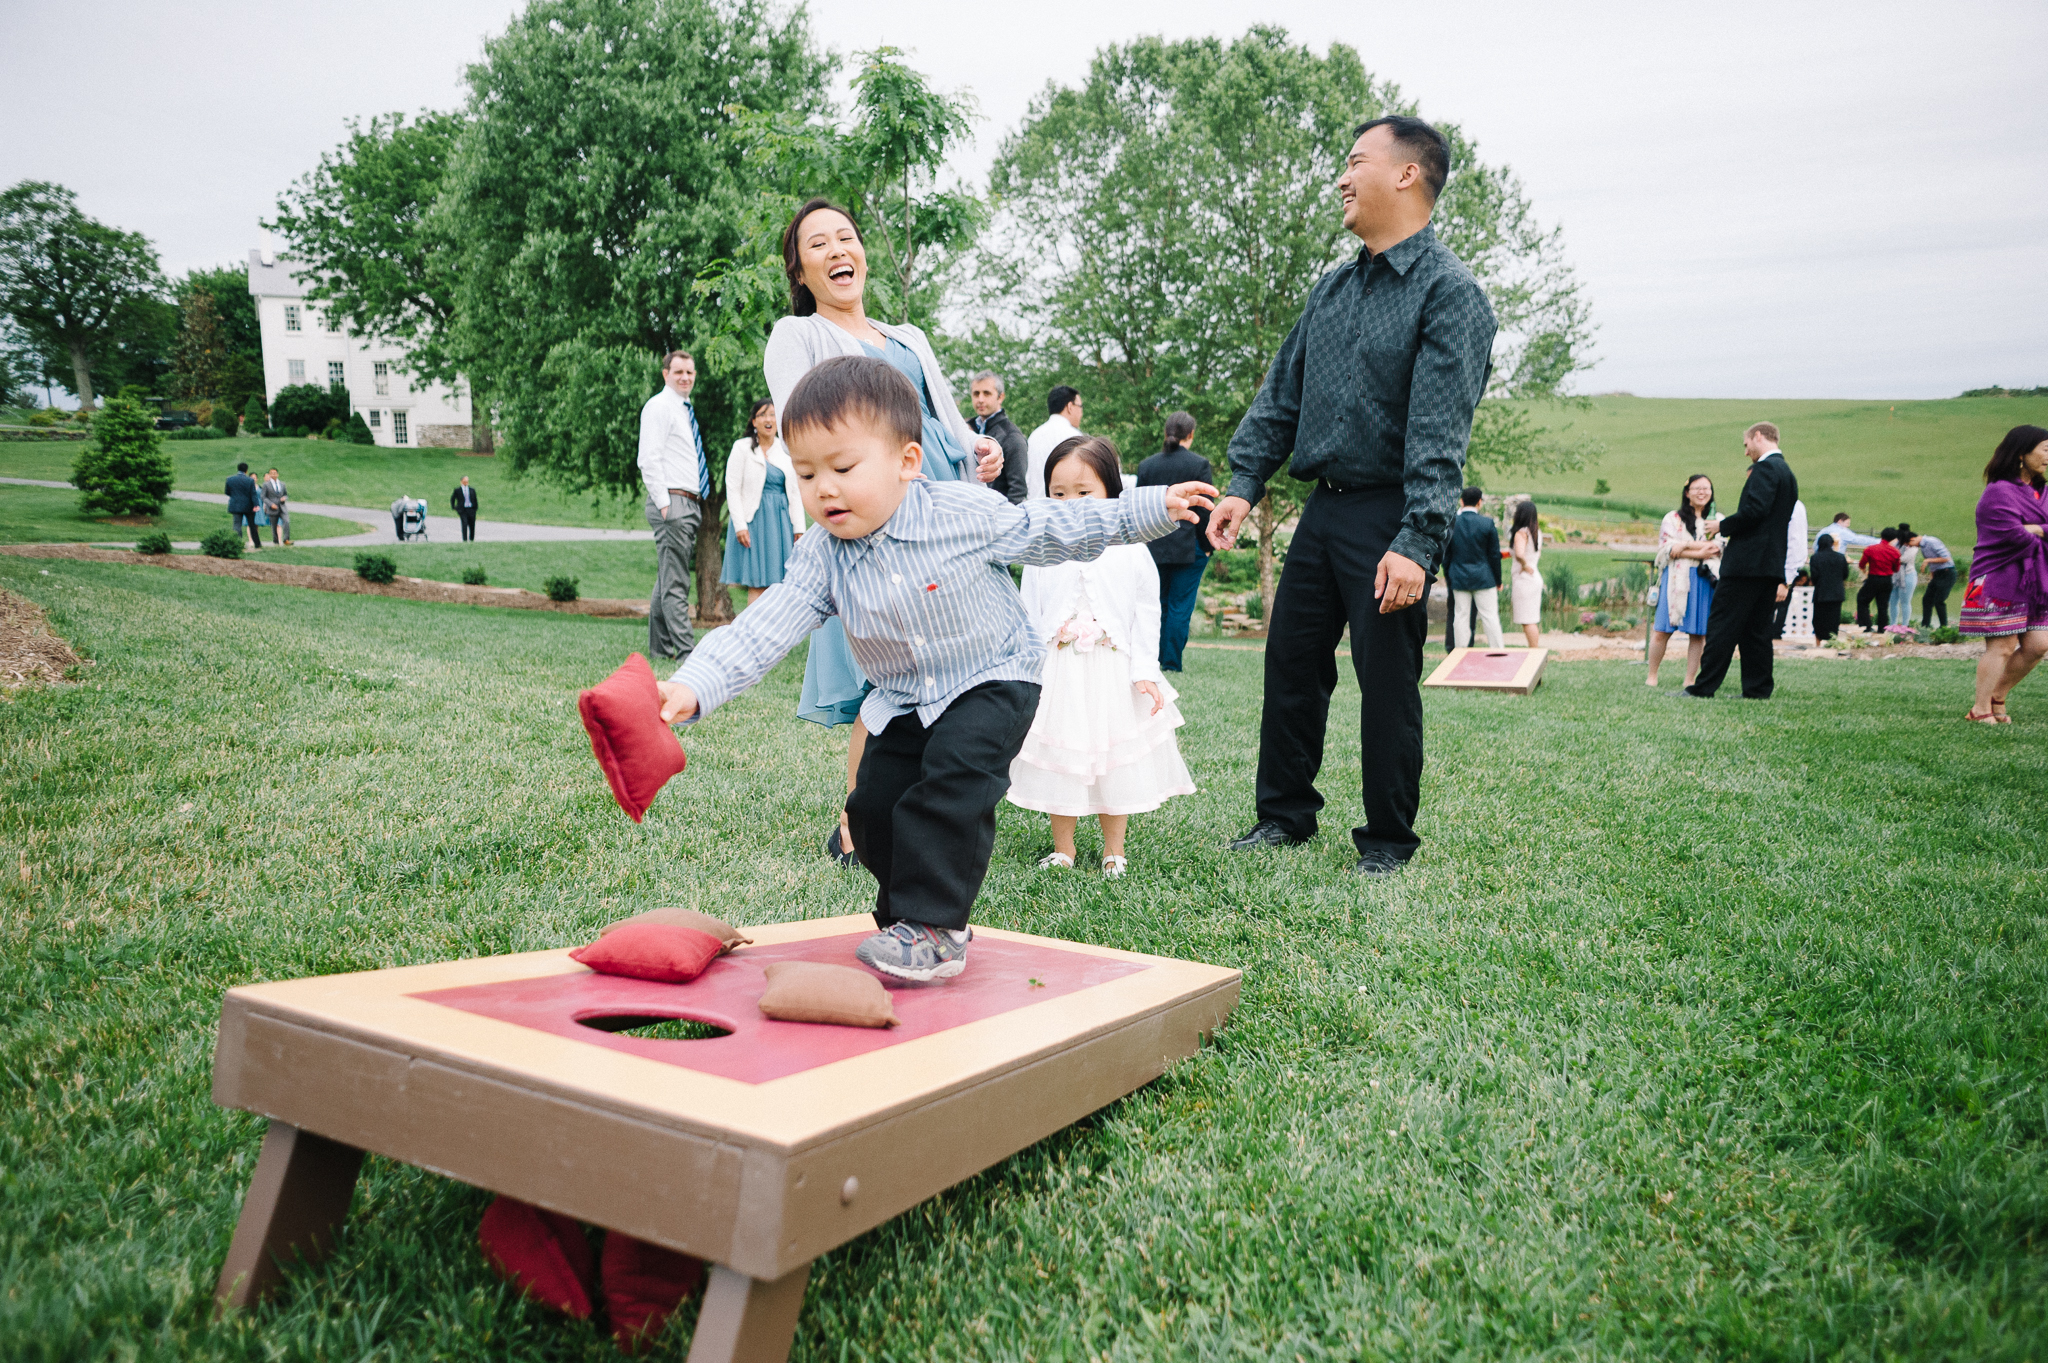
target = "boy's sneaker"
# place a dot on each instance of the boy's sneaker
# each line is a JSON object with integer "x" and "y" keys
{"x": 914, "y": 951}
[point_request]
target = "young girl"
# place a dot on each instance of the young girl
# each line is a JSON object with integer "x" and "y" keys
{"x": 1102, "y": 742}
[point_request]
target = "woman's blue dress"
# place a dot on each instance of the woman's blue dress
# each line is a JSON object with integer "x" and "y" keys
{"x": 774, "y": 538}
{"x": 834, "y": 685}
{"x": 1699, "y": 602}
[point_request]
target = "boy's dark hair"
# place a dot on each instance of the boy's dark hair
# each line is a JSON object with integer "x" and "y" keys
{"x": 801, "y": 303}
{"x": 1824, "y": 544}
{"x": 1420, "y": 141}
{"x": 1056, "y": 401}
{"x": 2008, "y": 461}
{"x": 1097, "y": 453}
{"x": 1840, "y": 516}
{"x": 1888, "y": 534}
{"x": 850, "y": 387}
{"x": 1472, "y": 496}
{"x": 1179, "y": 427}
{"x": 241, "y": 468}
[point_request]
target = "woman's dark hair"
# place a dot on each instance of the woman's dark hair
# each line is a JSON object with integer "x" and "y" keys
{"x": 1097, "y": 453}
{"x": 1685, "y": 511}
{"x": 801, "y": 303}
{"x": 753, "y": 412}
{"x": 1180, "y": 426}
{"x": 1525, "y": 519}
{"x": 2008, "y": 463}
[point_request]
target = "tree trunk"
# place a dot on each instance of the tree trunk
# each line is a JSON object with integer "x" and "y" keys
{"x": 714, "y": 602}
{"x": 82, "y": 372}
{"x": 1266, "y": 523}
{"x": 482, "y": 440}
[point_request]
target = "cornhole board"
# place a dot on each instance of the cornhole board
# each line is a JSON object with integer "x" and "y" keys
{"x": 756, "y": 1151}
{"x": 1519, "y": 670}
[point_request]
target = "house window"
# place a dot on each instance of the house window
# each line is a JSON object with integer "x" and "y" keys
{"x": 399, "y": 435}
{"x": 376, "y": 418}
{"x": 382, "y": 373}
{"x": 327, "y": 323}
{"x": 295, "y": 371}
{"x": 291, "y": 317}
{"x": 337, "y": 374}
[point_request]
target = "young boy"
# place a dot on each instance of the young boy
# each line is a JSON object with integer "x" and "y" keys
{"x": 915, "y": 570}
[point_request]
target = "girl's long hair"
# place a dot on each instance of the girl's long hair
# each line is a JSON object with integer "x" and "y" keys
{"x": 1525, "y": 519}
{"x": 1097, "y": 453}
{"x": 1685, "y": 511}
{"x": 2008, "y": 462}
{"x": 753, "y": 412}
{"x": 801, "y": 303}
{"x": 1179, "y": 427}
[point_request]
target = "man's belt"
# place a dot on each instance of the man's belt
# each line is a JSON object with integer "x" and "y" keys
{"x": 684, "y": 492}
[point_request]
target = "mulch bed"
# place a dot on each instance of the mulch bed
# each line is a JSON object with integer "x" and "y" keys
{"x": 29, "y": 653}
{"x": 333, "y": 580}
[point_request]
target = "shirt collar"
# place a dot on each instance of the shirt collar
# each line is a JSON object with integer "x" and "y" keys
{"x": 912, "y": 519}
{"x": 1768, "y": 453}
{"x": 1402, "y": 253}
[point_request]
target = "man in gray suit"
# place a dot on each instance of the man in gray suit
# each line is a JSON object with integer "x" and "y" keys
{"x": 678, "y": 481}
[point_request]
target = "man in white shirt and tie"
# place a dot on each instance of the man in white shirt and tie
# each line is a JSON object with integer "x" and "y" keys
{"x": 678, "y": 479}
{"x": 1065, "y": 422}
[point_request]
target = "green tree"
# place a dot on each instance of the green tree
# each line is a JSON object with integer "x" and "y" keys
{"x": 123, "y": 470}
{"x": 201, "y": 356}
{"x": 239, "y": 374}
{"x": 594, "y": 180}
{"x": 74, "y": 286}
{"x": 360, "y": 233}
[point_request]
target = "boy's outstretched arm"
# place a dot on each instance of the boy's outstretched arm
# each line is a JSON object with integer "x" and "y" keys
{"x": 1057, "y": 530}
{"x": 734, "y": 657}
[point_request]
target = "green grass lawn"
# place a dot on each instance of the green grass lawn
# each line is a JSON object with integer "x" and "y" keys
{"x": 1695, "y": 1031}
{"x": 622, "y": 570}
{"x": 1882, "y": 462}
{"x": 354, "y": 475}
{"x": 40, "y": 515}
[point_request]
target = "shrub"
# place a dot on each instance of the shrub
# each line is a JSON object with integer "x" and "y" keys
{"x": 359, "y": 431}
{"x": 1947, "y": 634}
{"x": 561, "y": 588}
{"x": 195, "y": 433}
{"x": 157, "y": 542}
{"x": 1561, "y": 583}
{"x": 43, "y": 416}
{"x": 123, "y": 470}
{"x": 254, "y": 417}
{"x": 309, "y": 406}
{"x": 222, "y": 544}
{"x": 474, "y": 576}
{"x": 224, "y": 420}
{"x": 1600, "y": 488}
{"x": 376, "y": 567}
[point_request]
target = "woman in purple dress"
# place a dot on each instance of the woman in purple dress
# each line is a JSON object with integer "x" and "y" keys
{"x": 2006, "y": 601}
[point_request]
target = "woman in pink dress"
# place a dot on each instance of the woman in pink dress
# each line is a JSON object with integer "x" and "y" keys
{"x": 2006, "y": 600}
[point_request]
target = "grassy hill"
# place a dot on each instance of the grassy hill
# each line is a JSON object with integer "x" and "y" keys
{"x": 1881, "y": 462}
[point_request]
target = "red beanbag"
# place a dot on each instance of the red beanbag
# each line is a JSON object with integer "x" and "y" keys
{"x": 543, "y": 1252}
{"x": 643, "y": 1286}
{"x": 637, "y": 751}
{"x": 661, "y": 952}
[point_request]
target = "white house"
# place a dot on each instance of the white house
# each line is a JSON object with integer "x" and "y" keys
{"x": 300, "y": 345}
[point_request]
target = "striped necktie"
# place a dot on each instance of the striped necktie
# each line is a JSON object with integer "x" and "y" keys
{"x": 703, "y": 464}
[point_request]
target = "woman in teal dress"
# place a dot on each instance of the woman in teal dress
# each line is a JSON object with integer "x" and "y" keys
{"x": 763, "y": 524}
{"x": 826, "y": 265}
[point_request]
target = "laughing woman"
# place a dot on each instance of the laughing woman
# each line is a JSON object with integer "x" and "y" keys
{"x": 827, "y": 267}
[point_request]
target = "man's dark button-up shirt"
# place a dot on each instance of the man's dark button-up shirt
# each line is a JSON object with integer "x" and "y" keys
{"x": 1375, "y": 387}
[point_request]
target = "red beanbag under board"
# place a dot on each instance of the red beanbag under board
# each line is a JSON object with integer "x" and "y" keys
{"x": 637, "y": 751}
{"x": 543, "y": 1252}
{"x": 643, "y": 1286}
{"x": 661, "y": 952}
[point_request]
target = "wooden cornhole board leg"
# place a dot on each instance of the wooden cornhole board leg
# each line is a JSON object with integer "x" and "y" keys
{"x": 745, "y": 1320}
{"x": 297, "y": 1200}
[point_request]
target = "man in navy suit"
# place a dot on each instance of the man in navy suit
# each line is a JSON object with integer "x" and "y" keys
{"x": 1753, "y": 574}
{"x": 1472, "y": 568}
{"x": 464, "y": 502}
{"x": 242, "y": 503}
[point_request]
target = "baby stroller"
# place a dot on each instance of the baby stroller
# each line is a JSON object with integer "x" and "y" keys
{"x": 412, "y": 524}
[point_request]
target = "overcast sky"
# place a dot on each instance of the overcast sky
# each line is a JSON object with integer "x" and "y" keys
{"x": 1763, "y": 199}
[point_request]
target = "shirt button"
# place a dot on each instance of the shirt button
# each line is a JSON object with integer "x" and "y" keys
{"x": 929, "y": 682}
{"x": 917, "y": 639}
{"x": 896, "y": 578}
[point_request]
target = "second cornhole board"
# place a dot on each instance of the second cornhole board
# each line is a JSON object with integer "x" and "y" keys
{"x": 756, "y": 1151}
{"x": 1519, "y": 670}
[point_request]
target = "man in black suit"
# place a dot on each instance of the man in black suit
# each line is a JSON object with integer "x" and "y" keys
{"x": 464, "y": 501}
{"x": 1472, "y": 568}
{"x": 241, "y": 491}
{"x": 1752, "y": 571}
{"x": 1182, "y": 556}
{"x": 986, "y": 392}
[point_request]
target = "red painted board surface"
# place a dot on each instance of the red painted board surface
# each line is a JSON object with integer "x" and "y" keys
{"x": 1493, "y": 665}
{"x": 998, "y": 979}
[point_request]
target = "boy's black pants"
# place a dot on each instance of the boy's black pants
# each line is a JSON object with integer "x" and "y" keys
{"x": 1877, "y": 590}
{"x": 923, "y": 808}
{"x": 1936, "y": 599}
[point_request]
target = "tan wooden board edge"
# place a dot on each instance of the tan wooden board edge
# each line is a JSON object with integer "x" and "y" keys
{"x": 1527, "y": 675}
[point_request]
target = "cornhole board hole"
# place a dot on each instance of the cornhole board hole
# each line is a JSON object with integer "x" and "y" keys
{"x": 757, "y": 1151}
{"x": 1519, "y": 670}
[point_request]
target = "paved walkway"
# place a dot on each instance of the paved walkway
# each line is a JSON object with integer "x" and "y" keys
{"x": 440, "y": 529}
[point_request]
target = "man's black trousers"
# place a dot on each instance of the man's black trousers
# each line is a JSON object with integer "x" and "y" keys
{"x": 1325, "y": 585}
{"x": 468, "y": 524}
{"x": 923, "y": 808}
{"x": 1876, "y": 588}
{"x": 1935, "y": 600}
{"x": 1743, "y": 610}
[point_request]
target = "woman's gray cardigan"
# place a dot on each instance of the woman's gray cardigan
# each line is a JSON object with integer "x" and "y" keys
{"x": 799, "y": 343}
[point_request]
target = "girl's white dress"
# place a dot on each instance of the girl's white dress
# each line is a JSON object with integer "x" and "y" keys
{"x": 1094, "y": 746}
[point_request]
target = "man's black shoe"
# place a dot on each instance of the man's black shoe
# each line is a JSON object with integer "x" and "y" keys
{"x": 1377, "y": 864}
{"x": 1686, "y": 693}
{"x": 1265, "y": 833}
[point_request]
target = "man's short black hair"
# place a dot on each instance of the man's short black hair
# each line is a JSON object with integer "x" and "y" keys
{"x": 851, "y": 388}
{"x": 1890, "y": 532}
{"x": 241, "y": 468}
{"x": 1472, "y": 496}
{"x": 1058, "y": 399}
{"x": 1825, "y": 542}
{"x": 1421, "y": 141}
{"x": 1841, "y": 516}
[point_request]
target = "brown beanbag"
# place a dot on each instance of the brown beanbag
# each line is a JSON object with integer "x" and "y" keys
{"x": 810, "y": 991}
{"x": 725, "y": 932}
{"x": 660, "y": 952}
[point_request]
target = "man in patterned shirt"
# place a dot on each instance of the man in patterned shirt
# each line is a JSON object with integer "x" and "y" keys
{"x": 1372, "y": 396}
{"x": 917, "y": 572}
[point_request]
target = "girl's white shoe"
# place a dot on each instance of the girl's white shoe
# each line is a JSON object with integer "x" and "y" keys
{"x": 1056, "y": 860}
{"x": 1113, "y": 867}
